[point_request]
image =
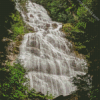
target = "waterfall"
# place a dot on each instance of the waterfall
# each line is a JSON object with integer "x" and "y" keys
{"x": 46, "y": 54}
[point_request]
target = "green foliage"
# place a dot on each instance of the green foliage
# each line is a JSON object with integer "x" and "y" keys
{"x": 47, "y": 96}
{"x": 12, "y": 88}
{"x": 34, "y": 94}
{"x": 68, "y": 27}
{"x": 80, "y": 46}
{"x": 84, "y": 14}
{"x": 74, "y": 35}
{"x": 59, "y": 9}
{"x": 17, "y": 25}
{"x": 92, "y": 94}
{"x": 79, "y": 33}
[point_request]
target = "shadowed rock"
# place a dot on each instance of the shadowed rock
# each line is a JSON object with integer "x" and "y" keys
{"x": 31, "y": 15}
{"x": 34, "y": 50}
{"x": 54, "y": 25}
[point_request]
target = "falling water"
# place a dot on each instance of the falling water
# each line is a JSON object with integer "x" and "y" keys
{"x": 46, "y": 54}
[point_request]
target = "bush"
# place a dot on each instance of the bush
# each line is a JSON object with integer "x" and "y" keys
{"x": 12, "y": 88}
{"x": 33, "y": 94}
{"x": 59, "y": 9}
{"x": 17, "y": 26}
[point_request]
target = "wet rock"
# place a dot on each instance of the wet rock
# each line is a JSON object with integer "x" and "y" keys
{"x": 54, "y": 25}
{"x": 10, "y": 57}
{"x": 12, "y": 52}
{"x": 9, "y": 31}
{"x": 60, "y": 29}
{"x": 36, "y": 21}
{"x": 73, "y": 63}
{"x": 51, "y": 40}
{"x": 44, "y": 20}
{"x": 47, "y": 56}
{"x": 47, "y": 25}
{"x": 31, "y": 16}
{"x": 31, "y": 29}
{"x": 33, "y": 4}
{"x": 36, "y": 51}
{"x": 16, "y": 50}
{"x": 6, "y": 40}
{"x": 40, "y": 18}
{"x": 31, "y": 44}
{"x": 39, "y": 15}
{"x": 39, "y": 26}
{"x": 19, "y": 37}
{"x": 27, "y": 19}
{"x": 12, "y": 49}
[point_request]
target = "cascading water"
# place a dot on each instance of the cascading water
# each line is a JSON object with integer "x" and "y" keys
{"x": 46, "y": 54}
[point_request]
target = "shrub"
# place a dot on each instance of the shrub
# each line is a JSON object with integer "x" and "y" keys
{"x": 12, "y": 88}
{"x": 17, "y": 26}
{"x": 34, "y": 94}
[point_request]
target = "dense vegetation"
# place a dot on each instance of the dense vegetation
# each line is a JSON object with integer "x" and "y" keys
{"x": 11, "y": 84}
{"x": 81, "y": 25}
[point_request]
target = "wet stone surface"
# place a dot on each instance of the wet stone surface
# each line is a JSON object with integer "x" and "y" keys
{"x": 31, "y": 16}
{"x": 54, "y": 25}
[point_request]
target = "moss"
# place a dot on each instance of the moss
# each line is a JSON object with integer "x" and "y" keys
{"x": 70, "y": 28}
{"x": 81, "y": 56}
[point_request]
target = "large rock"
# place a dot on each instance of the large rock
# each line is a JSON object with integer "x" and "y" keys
{"x": 12, "y": 49}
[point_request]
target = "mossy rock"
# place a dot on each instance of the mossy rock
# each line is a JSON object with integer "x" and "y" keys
{"x": 54, "y": 25}
{"x": 28, "y": 29}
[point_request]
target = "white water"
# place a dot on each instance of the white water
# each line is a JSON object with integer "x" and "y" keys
{"x": 46, "y": 54}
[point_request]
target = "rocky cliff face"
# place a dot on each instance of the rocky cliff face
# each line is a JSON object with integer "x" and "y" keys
{"x": 11, "y": 49}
